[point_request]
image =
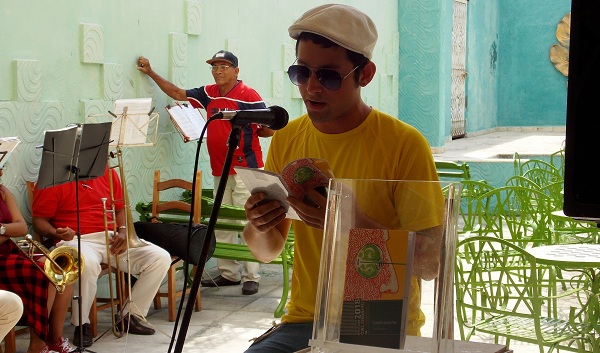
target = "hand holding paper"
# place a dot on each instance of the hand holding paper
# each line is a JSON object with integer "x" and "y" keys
{"x": 295, "y": 180}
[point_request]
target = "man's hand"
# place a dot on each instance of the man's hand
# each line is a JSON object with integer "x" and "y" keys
{"x": 263, "y": 214}
{"x": 312, "y": 215}
{"x": 264, "y": 131}
{"x": 118, "y": 243}
{"x": 143, "y": 65}
{"x": 65, "y": 234}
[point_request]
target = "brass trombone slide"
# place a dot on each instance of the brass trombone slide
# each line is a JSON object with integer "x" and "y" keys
{"x": 62, "y": 263}
{"x": 133, "y": 240}
{"x": 107, "y": 234}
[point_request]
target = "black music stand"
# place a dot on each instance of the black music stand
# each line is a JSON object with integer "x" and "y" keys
{"x": 72, "y": 154}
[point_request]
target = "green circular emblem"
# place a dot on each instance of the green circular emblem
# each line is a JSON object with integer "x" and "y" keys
{"x": 369, "y": 261}
{"x": 303, "y": 174}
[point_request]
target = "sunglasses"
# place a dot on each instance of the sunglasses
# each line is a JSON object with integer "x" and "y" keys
{"x": 330, "y": 79}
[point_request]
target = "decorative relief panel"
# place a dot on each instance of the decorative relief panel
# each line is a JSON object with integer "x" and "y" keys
{"x": 289, "y": 55}
{"x": 95, "y": 107}
{"x": 92, "y": 43}
{"x": 194, "y": 17}
{"x": 277, "y": 83}
{"x": 37, "y": 117}
{"x": 28, "y": 80}
{"x": 112, "y": 81}
{"x": 178, "y": 45}
{"x": 179, "y": 76}
{"x": 8, "y": 119}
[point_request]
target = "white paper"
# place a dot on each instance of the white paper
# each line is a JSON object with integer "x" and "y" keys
{"x": 189, "y": 120}
{"x": 132, "y": 119}
{"x": 7, "y": 146}
{"x": 258, "y": 180}
{"x": 134, "y": 106}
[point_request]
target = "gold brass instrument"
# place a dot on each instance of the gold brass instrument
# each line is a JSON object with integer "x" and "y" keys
{"x": 61, "y": 266}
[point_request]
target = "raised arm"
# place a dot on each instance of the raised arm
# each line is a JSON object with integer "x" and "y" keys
{"x": 167, "y": 87}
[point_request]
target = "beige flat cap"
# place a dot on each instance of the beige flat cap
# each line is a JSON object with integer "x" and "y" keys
{"x": 342, "y": 24}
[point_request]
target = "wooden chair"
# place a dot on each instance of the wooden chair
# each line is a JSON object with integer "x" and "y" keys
{"x": 100, "y": 303}
{"x": 10, "y": 340}
{"x": 160, "y": 206}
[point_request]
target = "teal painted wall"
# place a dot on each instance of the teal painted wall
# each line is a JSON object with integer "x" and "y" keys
{"x": 531, "y": 92}
{"x": 425, "y": 29}
{"x": 61, "y": 61}
{"x": 482, "y": 65}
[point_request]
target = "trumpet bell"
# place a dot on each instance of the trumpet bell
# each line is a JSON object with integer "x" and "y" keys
{"x": 65, "y": 257}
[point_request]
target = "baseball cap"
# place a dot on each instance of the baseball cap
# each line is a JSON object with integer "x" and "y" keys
{"x": 223, "y": 55}
{"x": 342, "y": 24}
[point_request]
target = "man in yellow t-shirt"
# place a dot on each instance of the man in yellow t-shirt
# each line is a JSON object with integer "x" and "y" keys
{"x": 334, "y": 46}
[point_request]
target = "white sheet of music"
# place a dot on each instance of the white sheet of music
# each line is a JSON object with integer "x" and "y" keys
{"x": 189, "y": 121}
{"x": 135, "y": 125}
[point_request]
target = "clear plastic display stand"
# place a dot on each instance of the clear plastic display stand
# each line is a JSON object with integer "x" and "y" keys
{"x": 387, "y": 267}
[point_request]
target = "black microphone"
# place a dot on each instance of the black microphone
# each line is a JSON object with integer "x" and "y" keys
{"x": 274, "y": 117}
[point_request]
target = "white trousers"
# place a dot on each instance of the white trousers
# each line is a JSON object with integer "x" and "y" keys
{"x": 235, "y": 194}
{"x": 149, "y": 263}
{"x": 11, "y": 310}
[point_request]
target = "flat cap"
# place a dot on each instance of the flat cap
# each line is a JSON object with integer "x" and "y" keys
{"x": 342, "y": 24}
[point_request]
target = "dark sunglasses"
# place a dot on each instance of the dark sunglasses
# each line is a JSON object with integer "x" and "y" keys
{"x": 330, "y": 79}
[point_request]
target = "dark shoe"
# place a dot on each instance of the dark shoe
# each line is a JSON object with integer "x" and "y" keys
{"x": 87, "y": 336}
{"x": 219, "y": 281}
{"x": 133, "y": 325}
{"x": 249, "y": 288}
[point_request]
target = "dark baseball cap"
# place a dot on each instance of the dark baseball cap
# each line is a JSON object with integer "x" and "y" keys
{"x": 223, "y": 55}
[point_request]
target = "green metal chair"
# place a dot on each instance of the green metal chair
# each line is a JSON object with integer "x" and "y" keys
{"x": 471, "y": 191}
{"x": 515, "y": 213}
{"x": 501, "y": 291}
{"x": 452, "y": 171}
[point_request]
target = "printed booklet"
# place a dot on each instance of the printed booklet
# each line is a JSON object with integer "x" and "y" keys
{"x": 376, "y": 288}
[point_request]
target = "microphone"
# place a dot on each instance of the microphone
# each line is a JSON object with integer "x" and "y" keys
{"x": 274, "y": 117}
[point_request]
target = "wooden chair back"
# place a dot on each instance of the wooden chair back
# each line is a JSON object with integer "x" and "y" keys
{"x": 161, "y": 206}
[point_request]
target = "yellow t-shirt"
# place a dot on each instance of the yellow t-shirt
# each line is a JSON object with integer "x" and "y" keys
{"x": 382, "y": 147}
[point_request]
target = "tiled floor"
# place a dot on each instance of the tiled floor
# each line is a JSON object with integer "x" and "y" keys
{"x": 229, "y": 319}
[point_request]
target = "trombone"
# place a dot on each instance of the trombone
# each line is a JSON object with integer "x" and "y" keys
{"x": 61, "y": 266}
{"x": 133, "y": 240}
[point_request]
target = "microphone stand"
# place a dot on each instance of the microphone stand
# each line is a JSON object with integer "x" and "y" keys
{"x": 80, "y": 347}
{"x": 232, "y": 145}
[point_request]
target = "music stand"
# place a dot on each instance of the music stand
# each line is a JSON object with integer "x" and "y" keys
{"x": 71, "y": 154}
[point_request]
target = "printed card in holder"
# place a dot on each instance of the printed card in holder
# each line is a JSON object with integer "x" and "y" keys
{"x": 187, "y": 120}
{"x": 295, "y": 180}
{"x": 376, "y": 288}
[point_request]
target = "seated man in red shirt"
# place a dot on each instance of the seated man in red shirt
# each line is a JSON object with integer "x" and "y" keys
{"x": 55, "y": 216}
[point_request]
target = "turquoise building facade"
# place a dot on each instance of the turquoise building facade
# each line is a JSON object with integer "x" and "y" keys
{"x": 64, "y": 61}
